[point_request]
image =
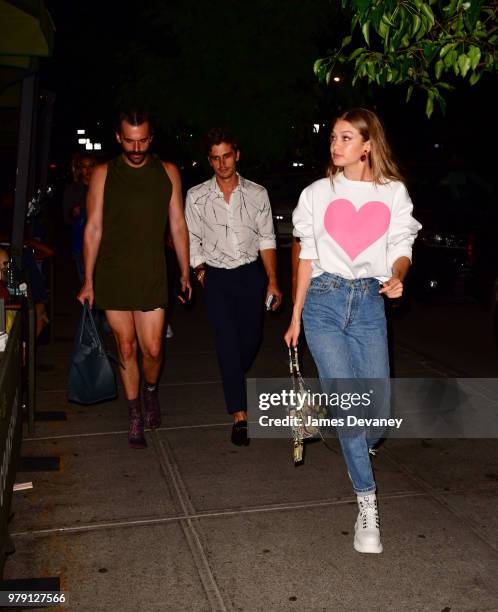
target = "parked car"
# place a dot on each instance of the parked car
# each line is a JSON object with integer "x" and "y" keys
{"x": 483, "y": 277}
{"x": 454, "y": 208}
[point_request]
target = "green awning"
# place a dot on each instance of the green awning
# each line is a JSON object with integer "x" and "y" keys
{"x": 27, "y": 29}
{"x": 27, "y": 34}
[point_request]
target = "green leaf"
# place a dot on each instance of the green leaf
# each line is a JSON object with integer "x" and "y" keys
{"x": 430, "y": 51}
{"x": 446, "y": 48}
{"x": 439, "y": 68}
{"x": 442, "y": 104}
{"x": 416, "y": 23}
{"x": 383, "y": 30}
{"x": 365, "y": 28}
{"x": 371, "y": 70}
{"x": 317, "y": 65}
{"x": 474, "y": 54}
{"x": 429, "y": 107}
{"x": 422, "y": 30}
{"x": 361, "y": 5}
{"x": 426, "y": 9}
{"x": 473, "y": 13}
{"x": 409, "y": 93}
{"x": 356, "y": 52}
{"x": 346, "y": 40}
{"x": 474, "y": 77}
{"x": 377, "y": 16}
{"x": 464, "y": 64}
{"x": 450, "y": 58}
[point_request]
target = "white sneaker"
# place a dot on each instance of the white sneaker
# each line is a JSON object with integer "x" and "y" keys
{"x": 366, "y": 530}
{"x": 169, "y": 331}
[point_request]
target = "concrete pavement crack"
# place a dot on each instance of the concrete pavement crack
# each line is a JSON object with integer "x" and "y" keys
{"x": 179, "y": 492}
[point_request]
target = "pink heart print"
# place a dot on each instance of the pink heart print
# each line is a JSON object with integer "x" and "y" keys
{"x": 355, "y": 230}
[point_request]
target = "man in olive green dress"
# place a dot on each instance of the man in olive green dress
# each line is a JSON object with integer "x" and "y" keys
{"x": 130, "y": 201}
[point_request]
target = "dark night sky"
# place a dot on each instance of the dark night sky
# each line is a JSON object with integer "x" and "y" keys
{"x": 248, "y": 65}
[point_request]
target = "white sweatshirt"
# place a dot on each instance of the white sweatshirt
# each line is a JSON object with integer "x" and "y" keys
{"x": 354, "y": 228}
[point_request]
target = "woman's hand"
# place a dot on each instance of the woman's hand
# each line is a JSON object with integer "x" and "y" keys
{"x": 291, "y": 336}
{"x": 392, "y": 288}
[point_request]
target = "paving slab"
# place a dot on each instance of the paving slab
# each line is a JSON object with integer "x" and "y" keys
{"x": 97, "y": 418}
{"x": 304, "y": 560}
{"x": 100, "y": 479}
{"x": 448, "y": 464}
{"x": 146, "y": 569}
{"x": 182, "y": 405}
{"x": 218, "y": 475}
{"x": 479, "y": 508}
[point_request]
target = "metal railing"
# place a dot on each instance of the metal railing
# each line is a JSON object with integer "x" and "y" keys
{"x": 11, "y": 399}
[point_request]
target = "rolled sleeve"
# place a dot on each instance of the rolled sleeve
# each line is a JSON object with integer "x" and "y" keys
{"x": 194, "y": 225}
{"x": 264, "y": 222}
{"x": 403, "y": 229}
{"x": 302, "y": 219}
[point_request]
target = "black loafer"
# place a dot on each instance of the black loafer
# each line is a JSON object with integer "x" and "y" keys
{"x": 239, "y": 434}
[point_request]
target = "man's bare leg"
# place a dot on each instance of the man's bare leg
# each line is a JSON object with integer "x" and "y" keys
{"x": 123, "y": 327}
{"x": 150, "y": 326}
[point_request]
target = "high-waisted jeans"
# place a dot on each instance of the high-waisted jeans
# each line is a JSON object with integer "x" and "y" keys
{"x": 345, "y": 326}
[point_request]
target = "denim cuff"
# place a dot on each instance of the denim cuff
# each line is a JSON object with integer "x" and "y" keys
{"x": 365, "y": 492}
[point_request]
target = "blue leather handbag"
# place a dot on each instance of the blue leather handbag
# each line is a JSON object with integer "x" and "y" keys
{"x": 91, "y": 376}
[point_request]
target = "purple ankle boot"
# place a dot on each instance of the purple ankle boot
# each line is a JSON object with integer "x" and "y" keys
{"x": 152, "y": 408}
{"x": 136, "y": 436}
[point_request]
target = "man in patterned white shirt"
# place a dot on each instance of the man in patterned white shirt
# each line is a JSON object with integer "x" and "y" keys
{"x": 230, "y": 221}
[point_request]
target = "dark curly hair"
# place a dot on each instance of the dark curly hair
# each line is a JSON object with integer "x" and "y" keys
{"x": 134, "y": 116}
{"x": 217, "y": 135}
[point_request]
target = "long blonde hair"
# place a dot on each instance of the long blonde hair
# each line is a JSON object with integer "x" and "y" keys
{"x": 380, "y": 157}
{"x": 76, "y": 164}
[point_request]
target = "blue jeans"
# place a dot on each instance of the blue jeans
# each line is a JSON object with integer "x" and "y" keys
{"x": 345, "y": 326}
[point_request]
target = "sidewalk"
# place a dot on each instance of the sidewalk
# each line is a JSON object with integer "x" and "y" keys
{"x": 195, "y": 523}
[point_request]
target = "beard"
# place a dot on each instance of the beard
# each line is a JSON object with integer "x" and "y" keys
{"x": 136, "y": 158}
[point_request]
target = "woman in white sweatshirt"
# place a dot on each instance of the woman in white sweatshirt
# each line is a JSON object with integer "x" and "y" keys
{"x": 356, "y": 231}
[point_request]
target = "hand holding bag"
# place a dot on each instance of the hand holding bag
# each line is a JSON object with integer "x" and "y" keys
{"x": 91, "y": 376}
{"x": 301, "y": 430}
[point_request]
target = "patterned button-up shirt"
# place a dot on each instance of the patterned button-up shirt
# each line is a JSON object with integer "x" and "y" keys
{"x": 228, "y": 235}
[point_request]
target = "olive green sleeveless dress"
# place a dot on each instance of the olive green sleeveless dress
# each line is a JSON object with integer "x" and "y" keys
{"x": 130, "y": 272}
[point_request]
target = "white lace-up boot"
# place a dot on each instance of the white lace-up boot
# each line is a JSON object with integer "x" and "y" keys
{"x": 366, "y": 530}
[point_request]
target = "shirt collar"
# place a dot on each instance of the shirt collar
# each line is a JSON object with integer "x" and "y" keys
{"x": 213, "y": 185}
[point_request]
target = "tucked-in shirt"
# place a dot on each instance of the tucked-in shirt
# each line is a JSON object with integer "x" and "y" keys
{"x": 355, "y": 229}
{"x": 228, "y": 235}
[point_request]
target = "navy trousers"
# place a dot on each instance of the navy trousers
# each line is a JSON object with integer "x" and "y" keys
{"x": 235, "y": 301}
